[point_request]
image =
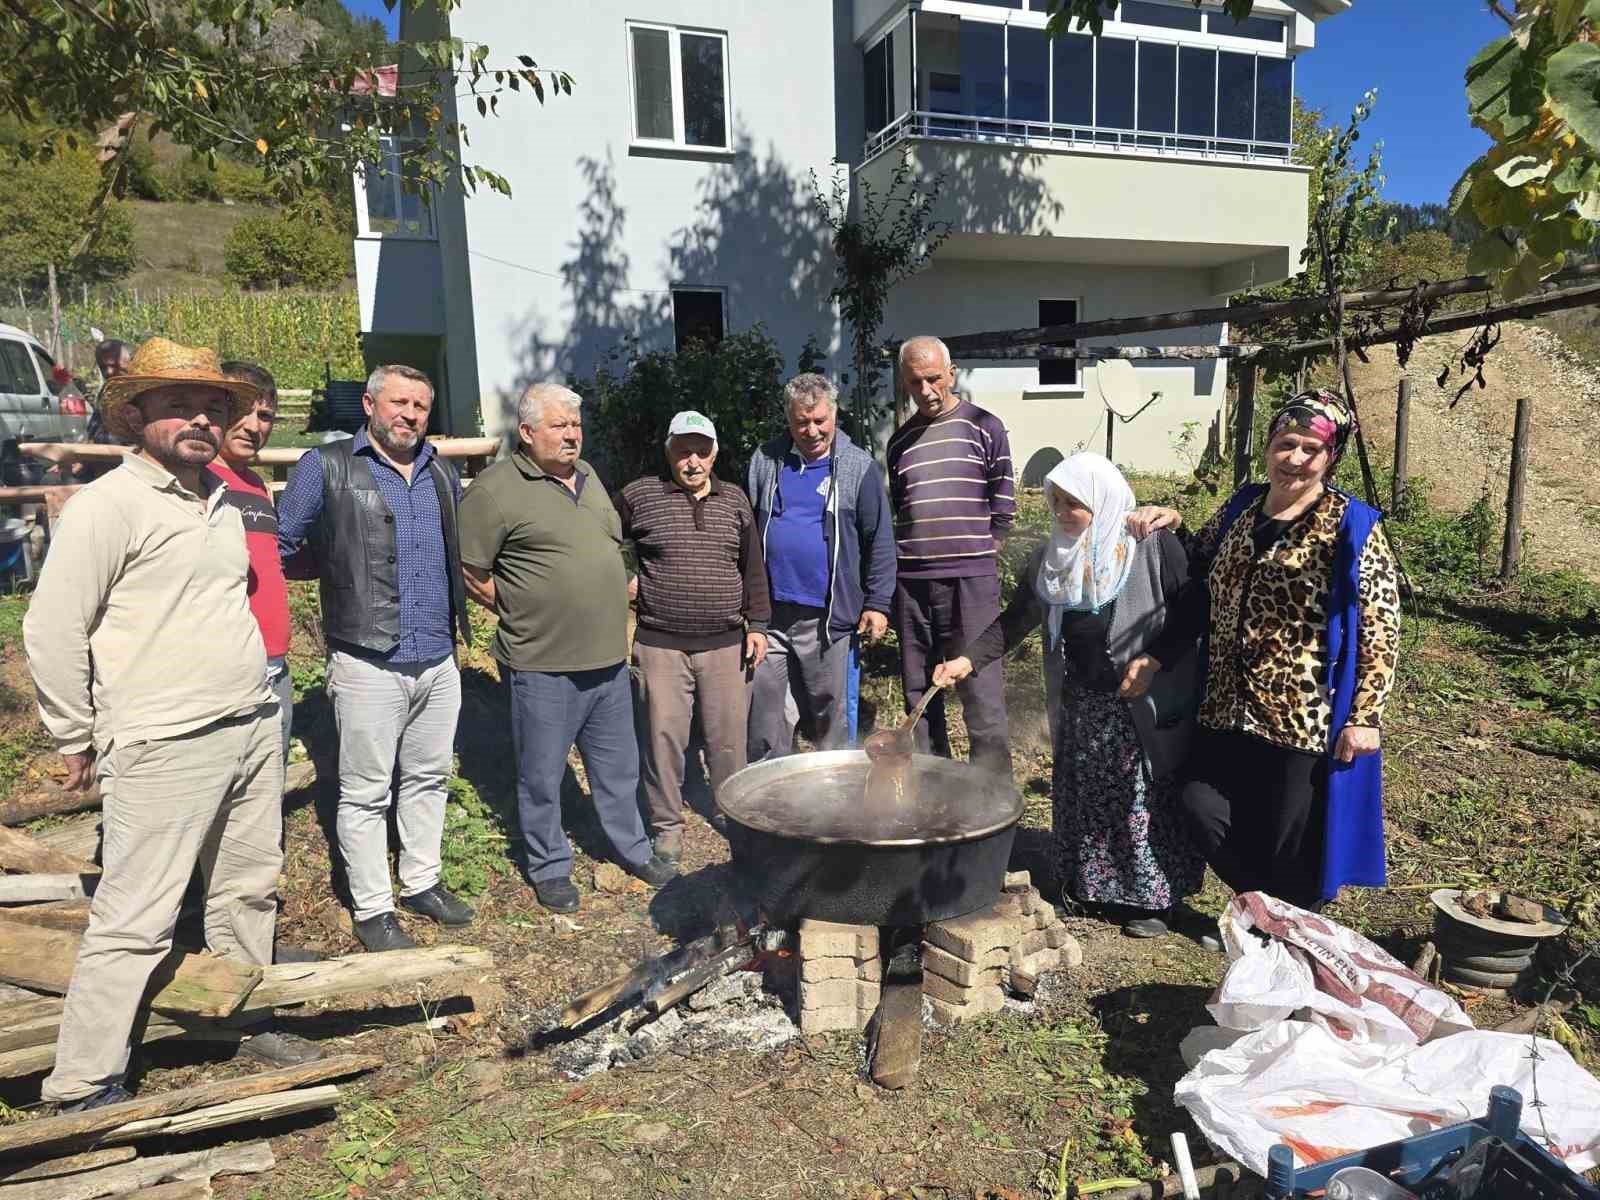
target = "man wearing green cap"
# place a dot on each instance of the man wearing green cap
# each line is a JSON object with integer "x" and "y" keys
{"x": 703, "y": 612}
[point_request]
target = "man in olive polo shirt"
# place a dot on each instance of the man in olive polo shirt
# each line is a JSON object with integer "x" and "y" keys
{"x": 541, "y": 545}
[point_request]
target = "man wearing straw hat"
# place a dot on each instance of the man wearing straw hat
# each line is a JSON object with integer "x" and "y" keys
{"x": 145, "y": 654}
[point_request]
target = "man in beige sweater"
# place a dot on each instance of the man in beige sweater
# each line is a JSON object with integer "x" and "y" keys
{"x": 145, "y": 654}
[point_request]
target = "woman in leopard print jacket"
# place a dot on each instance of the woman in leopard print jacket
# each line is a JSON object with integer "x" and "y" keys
{"x": 1296, "y": 587}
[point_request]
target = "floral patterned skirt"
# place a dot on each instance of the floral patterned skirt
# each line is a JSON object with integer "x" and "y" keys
{"x": 1120, "y": 836}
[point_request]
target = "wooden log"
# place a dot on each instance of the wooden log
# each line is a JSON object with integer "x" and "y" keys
{"x": 50, "y": 802}
{"x": 197, "y": 984}
{"x": 186, "y": 1189}
{"x": 1048, "y": 353}
{"x": 273, "y": 456}
{"x": 73, "y": 1164}
{"x": 95, "y": 1124}
{"x": 234, "y": 1112}
{"x": 1516, "y": 490}
{"x": 36, "y": 1028}
{"x": 22, "y": 852}
{"x": 29, "y": 889}
{"x": 70, "y": 915}
{"x": 1236, "y": 316}
{"x": 78, "y": 835}
{"x": 249, "y": 1159}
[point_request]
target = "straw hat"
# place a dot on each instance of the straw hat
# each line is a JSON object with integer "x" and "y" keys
{"x": 161, "y": 363}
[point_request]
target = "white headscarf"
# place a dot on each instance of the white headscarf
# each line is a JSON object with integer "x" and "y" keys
{"x": 1086, "y": 572}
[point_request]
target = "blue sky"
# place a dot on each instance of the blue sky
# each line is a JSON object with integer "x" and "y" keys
{"x": 1412, "y": 51}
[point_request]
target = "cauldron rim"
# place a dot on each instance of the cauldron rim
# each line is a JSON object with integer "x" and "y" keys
{"x": 733, "y": 791}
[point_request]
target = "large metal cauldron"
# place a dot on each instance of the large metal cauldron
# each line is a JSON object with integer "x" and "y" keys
{"x": 807, "y": 844}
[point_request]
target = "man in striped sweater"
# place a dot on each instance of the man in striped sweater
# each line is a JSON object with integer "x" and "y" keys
{"x": 950, "y": 481}
{"x": 703, "y": 613}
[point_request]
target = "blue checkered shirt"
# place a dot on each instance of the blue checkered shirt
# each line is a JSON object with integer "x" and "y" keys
{"x": 426, "y": 633}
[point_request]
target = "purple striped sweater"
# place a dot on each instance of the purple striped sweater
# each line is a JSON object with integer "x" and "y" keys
{"x": 951, "y": 484}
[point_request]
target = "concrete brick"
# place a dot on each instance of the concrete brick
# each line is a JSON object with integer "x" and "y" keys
{"x": 959, "y": 971}
{"x": 832, "y": 993}
{"x": 987, "y": 1000}
{"x": 1011, "y": 905}
{"x": 1029, "y": 944}
{"x": 1071, "y": 952}
{"x": 1033, "y": 900}
{"x": 1018, "y": 881}
{"x": 815, "y": 970}
{"x": 830, "y": 939}
{"x": 1057, "y": 936}
{"x": 1041, "y": 918}
{"x": 972, "y": 936}
{"x": 941, "y": 988}
{"x": 829, "y": 1020}
{"x": 1038, "y": 964}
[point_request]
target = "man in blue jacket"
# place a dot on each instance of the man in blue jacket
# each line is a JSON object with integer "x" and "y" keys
{"x": 822, "y": 511}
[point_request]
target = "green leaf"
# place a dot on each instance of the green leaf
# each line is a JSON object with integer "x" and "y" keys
{"x": 1573, "y": 78}
{"x": 1491, "y": 253}
{"x": 1588, "y": 206}
{"x": 1463, "y": 187}
{"x": 1503, "y": 90}
{"x": 1580, "y": 174}
{"x": 1521, "y": 169}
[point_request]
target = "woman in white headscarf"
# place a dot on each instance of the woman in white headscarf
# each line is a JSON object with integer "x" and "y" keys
{"x": 1121, "y": 841}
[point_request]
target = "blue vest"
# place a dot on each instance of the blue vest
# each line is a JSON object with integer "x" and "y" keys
{"x": 1353, "y": 849}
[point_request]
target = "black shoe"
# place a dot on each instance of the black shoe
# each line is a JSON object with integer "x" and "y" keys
{"x": 1198, "y": 927}
{"x": 558, "y": 895}
{"x": 655, "y": 871}
{"x": 439, "y": 905}
{"x": 383, "y": 932}
{"x": 287, "y": 952}
{"x": 669, "y": 850}
{"x": 279, "y": 1049}
{"x": 112, "y": 1093}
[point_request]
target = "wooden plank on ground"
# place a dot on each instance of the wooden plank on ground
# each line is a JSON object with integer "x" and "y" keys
{"x": 73, "y": 1164}
{"x": 31, "y": 889}
{"x": 196, "y": 984}
{"x": 48, "y": 802}
{"x": 71, "y": 915}
{"x": 185, "y": 1189}
{"x": 255, "y": 1108}
{"x": 249, "y": 1159}
{"x": 25, "y": 1139}
{"x": 78, "y": 835}
{"x": 23, "y": 852}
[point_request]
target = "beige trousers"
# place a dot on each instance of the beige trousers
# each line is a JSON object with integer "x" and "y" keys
{"x": 670, "y": 683}
{"x": 214, "y": 798}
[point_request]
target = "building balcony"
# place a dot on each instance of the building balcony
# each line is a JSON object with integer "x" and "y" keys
{"x": 399, "y": 279}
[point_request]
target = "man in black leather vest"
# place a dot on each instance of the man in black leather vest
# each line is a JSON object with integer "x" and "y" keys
{"x": 379, "y": 514}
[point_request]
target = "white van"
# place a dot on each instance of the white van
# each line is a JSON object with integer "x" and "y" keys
{"x": 38, "y": 403}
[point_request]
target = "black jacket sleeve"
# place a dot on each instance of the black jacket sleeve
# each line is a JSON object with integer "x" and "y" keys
{"x": 875, "y": 528}
{"x": 1021, "y": 617}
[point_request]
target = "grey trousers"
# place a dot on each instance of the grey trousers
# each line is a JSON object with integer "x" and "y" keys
{"x": 799, "y": 668}
{"x": 671, "y": 684}
{"x": 398, "y": 718}
{"x": 282, "y": 685}
{"x": 212, "y": 798}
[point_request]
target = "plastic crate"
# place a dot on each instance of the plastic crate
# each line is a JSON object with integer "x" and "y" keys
{"x": 1409, "y": 1162}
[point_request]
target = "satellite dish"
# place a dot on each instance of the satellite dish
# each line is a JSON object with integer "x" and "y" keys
{"x": 1119, "y": 384}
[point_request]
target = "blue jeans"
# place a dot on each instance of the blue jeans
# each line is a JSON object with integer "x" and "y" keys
{"x": 550, "y": 712}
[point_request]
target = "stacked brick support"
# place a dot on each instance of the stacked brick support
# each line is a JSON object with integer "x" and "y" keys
{"x": 841, "y": 976}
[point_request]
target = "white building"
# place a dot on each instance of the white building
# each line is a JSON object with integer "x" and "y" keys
{"x": 671, "y": 193}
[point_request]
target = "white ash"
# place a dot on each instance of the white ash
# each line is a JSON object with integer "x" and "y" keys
{"x": 732, "y": 1013}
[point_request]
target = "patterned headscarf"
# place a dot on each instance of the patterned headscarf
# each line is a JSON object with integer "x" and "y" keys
{"x": 1319, "y": 414}
{"x": 1087, "y": 571}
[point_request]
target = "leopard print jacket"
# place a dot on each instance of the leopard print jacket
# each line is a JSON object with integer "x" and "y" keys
{"x": 1268, "y": 657}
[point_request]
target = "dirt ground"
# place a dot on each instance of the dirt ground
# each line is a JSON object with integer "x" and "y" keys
{"x": 1464, "y": 447}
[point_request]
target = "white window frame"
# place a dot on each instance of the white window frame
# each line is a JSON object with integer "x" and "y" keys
{"x": 677, "y": 143}
{"x": 1044, "y": 391}
{"x": 702, "y": 289}
{"x": 393, "y": 182}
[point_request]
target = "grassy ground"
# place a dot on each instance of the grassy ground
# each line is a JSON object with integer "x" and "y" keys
{"x": 1492, "y": 775}
{"x": 179, "y": 244}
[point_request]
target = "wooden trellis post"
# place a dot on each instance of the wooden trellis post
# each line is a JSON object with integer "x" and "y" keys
{"x": 1511, "y": 552}
{"x": 1244, "y": 424}
{"x": 1402, "y": 438}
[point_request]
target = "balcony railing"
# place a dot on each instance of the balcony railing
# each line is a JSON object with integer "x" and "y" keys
{"x": 1046, "y": 135}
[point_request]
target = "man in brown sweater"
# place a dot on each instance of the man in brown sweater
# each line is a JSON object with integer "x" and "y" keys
{"x": 703, "y": 612}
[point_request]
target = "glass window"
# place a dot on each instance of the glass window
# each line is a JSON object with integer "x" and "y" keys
{"x": 1030, "y": 75}
{"x": 652, "y": 83}
{"x": 705, "y": 118}
{"x": 389, "y": 208}
{"x": 696, "y": 316}
{"x": 16, "y": 370}
{"x": 1236, "y": 89}
{"x": 1260, "y": 29}
{"x": 1197, "y": 91}
{"x": 983, "y": 69}
{"x": 1274, "y": 97}
{"x": 1114, "y": 84}
{"x": 1058, "y": 372}
{"x": 1158, "y": 87}
{"x": 1163, "y": 16}
{"x": 1074, "y": 79}
{"x": 873, "y": 64}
